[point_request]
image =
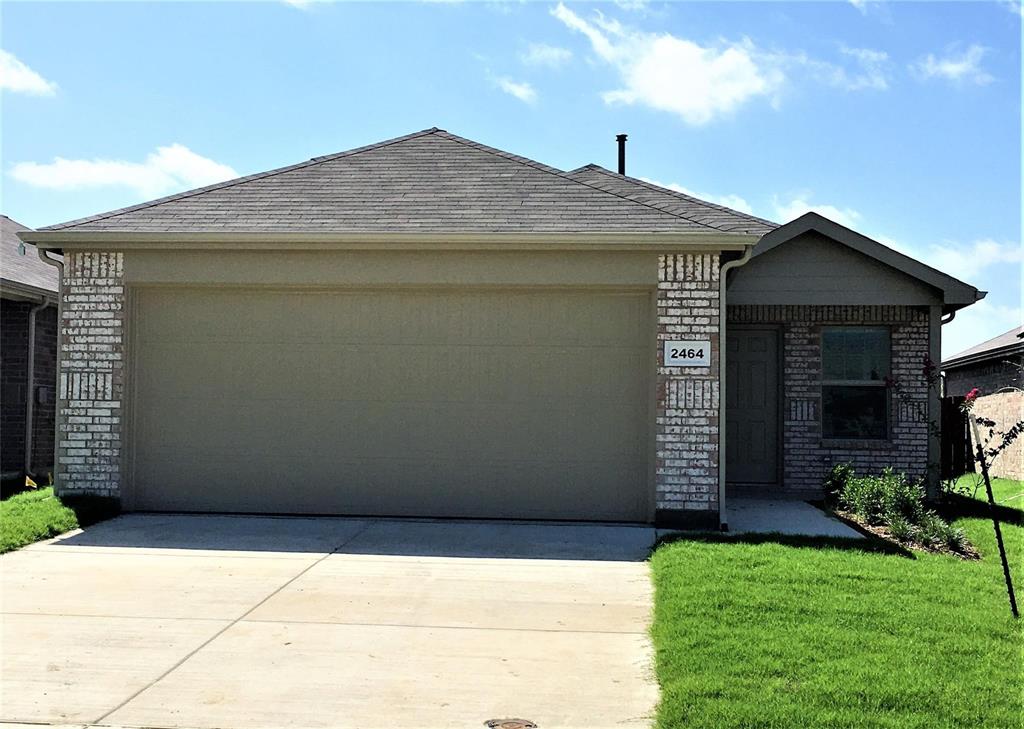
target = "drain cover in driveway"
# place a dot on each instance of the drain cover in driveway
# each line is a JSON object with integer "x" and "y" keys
{"x": 510, "y": 724}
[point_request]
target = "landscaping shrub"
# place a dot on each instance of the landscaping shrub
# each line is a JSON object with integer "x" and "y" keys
{"x": 836, "y": 480}
{"x": 891, "y": 500}
{"x": 880, "y": 499}
{"x": 934, "y": 532}
{"x": 902, "y": 530}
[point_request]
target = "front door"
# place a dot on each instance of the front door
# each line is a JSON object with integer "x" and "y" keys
{"x": 752, "y": 407}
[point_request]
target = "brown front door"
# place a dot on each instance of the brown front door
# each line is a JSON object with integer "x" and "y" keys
{"x": 752, "y": 407}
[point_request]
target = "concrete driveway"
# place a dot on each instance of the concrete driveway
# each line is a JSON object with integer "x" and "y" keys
{"x": 219, "y": 621}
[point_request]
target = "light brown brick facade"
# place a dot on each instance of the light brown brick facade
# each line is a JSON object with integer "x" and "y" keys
{"x": 686, "y": 476}
{"x": 92, "y": 374}
{"x": 1005, "y": 409}
{"x": 807, "y": 457}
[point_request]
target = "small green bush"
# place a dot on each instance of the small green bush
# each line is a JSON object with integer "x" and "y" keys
{"x": 934, "y": 532}
{"x": 892, "y": 500}
{"x": 836, "y": 480}
{"x": 879, "y": 499}
{"x": 901, "y": 529}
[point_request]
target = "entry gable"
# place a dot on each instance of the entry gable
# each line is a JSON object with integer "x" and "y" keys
{"x": 813, "y": 260}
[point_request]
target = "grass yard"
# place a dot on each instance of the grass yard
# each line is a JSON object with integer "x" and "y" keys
{"x": 29, "y": 516}
{"x": 780, "y": 632}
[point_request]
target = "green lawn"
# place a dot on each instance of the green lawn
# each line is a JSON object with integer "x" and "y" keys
{"x": 33, "y": 515}
{"x": 776, "y": 632}
{"x": 29, "y": 516}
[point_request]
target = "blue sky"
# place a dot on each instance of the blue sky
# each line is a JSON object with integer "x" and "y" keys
{"x": 900, "y": 119}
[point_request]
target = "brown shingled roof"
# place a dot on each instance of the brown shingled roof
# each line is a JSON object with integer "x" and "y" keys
{"x": 20, "y": 265}
{"x": 427, "y": 182}
{"x": 700, "y": 211}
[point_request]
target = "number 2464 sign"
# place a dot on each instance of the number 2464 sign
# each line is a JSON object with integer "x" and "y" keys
{"x": 680, "y": 353}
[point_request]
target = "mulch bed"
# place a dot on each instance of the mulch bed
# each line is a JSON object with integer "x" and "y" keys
{"x": 882, "y": 532}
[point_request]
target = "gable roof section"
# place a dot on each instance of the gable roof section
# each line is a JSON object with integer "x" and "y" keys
{"x": 23, "y": 273}
{"x": 427, "y": 182}
{"x": 955, "y": 293}
{"x": 715, "y": 216}
{"x": 1006, "y": 344}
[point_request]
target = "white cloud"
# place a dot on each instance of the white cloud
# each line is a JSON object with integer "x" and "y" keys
{"x": 787, "y": 211}
{"x": 871, "y": 75}
{"x": 17, "y": 77}
{"x": 305, "y": 4}
{"x": 697, "y": 83}
{"x": 540, "y": 54}
{"x": 862, "y": 5}
{"x": 976, "y": 323}
{"x": 522, "y": 90}
{"x": 166, "y": 170}
{"x": 967, "y": 261}
{"x": 962, "y": 67}
{"x": 1014, "y": 6}
{"x": 730, "y": 201}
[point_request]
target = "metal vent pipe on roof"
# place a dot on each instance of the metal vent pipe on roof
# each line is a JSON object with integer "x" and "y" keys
{"x": 621, "y": 139}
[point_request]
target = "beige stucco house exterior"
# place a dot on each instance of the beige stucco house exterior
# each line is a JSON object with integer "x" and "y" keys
{"x": 432, "y": 327}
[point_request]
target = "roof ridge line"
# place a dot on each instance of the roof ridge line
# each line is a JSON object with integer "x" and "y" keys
{"x": 676, "y": 193}
{"x": 526, "y": 161}
{"x": 239, "y": 180}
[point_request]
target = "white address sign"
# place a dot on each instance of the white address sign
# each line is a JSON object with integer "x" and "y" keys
{"x": 680, "y": 353}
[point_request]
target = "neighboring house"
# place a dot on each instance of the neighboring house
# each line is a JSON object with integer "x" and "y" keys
{"x": 994, "y": 365}
{"x": 996, "y": 369}
{"x": 28, "y": 357}
{"x": 431, "y": 327}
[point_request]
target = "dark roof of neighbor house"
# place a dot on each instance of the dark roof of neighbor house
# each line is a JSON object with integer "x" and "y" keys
{"x": 701, "y": 211}
{"x": 1006, "y": 344}
{"x": 20, "y": 267}
{"x": 427, "y": 182}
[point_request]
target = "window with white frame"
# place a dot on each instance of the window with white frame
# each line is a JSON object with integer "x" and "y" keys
{"x": 854, "y": 382}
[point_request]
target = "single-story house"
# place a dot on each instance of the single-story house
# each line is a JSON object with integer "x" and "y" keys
{"x": 994, "y": 365}
{"x": 428, "y": 326}
{"x": 995, "y": 368}
{"x": 28, "y": 357}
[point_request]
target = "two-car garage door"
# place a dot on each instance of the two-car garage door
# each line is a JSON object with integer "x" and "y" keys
{"x": 429, "y": 402}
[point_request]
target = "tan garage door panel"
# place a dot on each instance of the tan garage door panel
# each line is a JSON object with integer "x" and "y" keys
{"x": 453, "y": 403}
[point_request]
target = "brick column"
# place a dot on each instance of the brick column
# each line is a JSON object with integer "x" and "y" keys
{"x": 686, "y": 476}
{"x": 89, "y": 443}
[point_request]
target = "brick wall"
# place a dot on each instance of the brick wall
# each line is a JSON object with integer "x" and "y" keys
{"x": 1005, "y": 408}
{"x": 14, "y": 316}
{"x": 92, "y": 374}
{"x": 686, "y": 477}
{"x": 806, "y": 456}
{"x": 45, "y": 410}
{"x": 986, "y": 376}
{"x": 13, "y": 388}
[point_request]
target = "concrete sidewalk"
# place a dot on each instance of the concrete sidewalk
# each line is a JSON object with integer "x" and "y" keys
{"x": 781, "y": 516}
{"x": 209, "y": 621}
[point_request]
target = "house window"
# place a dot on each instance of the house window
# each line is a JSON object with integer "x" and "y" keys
{"x": 854, "y": 395}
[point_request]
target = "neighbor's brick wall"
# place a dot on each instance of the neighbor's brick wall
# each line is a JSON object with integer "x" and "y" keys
{"x": 986, "y": 376}
{"x": 13, "y": 389}
{"x": 44, "y": 413}
{"x": 92, "y": 374}
{"x": 806, "y": 456}
{"x": 686, "y": 476}
{"x": 14, "y": 316}
{"x": 1005, "y": 408}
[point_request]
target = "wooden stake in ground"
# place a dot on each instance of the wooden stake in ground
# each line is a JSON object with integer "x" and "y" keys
{"x": 995, "y": 515}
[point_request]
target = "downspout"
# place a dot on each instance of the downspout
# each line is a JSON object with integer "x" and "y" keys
{"x": 30, "y": 379}
{"x": 722, "y": 279}
{"x": 59, "y": 265}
